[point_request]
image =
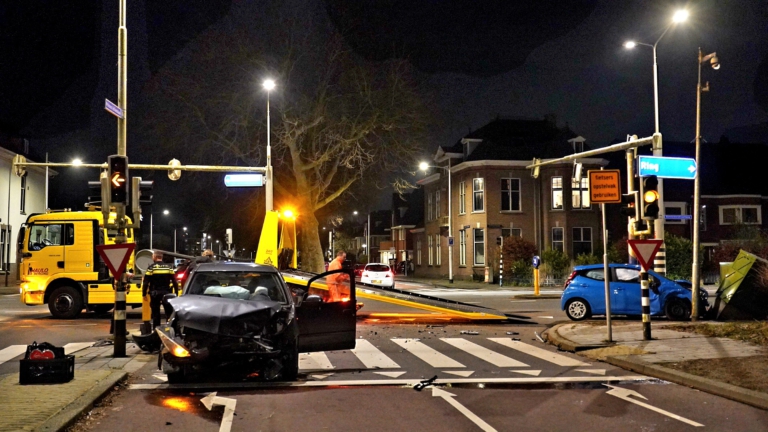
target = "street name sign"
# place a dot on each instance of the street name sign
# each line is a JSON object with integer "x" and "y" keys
{"x": 678, "y": 217}
{"x": 645, "y": 251}
{"x": 605, "y": 186}
{"x": 667, "y": 167}
{"x": 114, "y": 109}
{"x": 243, "y": 180}
{"x": 116, "y": 256}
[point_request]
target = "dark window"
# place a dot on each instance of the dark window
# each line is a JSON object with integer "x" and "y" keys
{"x": 582, "y": 241}
{"x": 510, "y": 194}
{"x": 557, "y": 239}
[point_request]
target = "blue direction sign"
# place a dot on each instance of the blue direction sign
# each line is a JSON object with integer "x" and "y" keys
{"x": 114, "y": 109}
{"x": 667, "y": 167}
{"x": 243, "y": 180}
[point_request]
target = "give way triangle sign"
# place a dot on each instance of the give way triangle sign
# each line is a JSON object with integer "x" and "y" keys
{"x": 116, "y": 257}
{"x": 645, "y": 251}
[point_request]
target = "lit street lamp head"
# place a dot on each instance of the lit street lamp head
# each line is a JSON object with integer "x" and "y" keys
{"x": 680, "y": 16}
{"x": 269, "y": 84}
{"x": 423, "y": 166}
{"x": 77, "y": 162}
{"x": 630, "y": 44}
{"x": 354, "y": 212}
{"x": 166, "y": 212}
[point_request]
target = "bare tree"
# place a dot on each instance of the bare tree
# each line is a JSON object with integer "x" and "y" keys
{"x": 337, "y": 119}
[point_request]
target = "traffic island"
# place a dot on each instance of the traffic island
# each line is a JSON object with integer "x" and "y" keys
{"x": 53, "y": 407}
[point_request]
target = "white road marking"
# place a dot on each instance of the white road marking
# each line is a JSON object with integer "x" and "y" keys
{"x": 229, "y": 409}
{"x": 390, "y": 382}
{"x": 161, "y": 376}
{"x": 320, "y": 376}
{"x": 464, "y": 374}
{"x": 76, "y": 346}
{"x": 427, "y": 354}
{"x": 449, "y": 397}
{"x": 537, "y": 352}
{"x": 483, "y": 353}
{"x": 547, "y": 317}
{"x": 390, "y": 374}
{"x": 625, "y": 394}
{"x": 592, "y": 371}
{"x": 11, "y": 352}
{"x": 528, "y": 372}
{"x": 522, "y": 301}
{"x": 314, "y": 361}
{"x": 372, "y": 357}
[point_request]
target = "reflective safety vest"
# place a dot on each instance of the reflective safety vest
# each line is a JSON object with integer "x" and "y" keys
{"x": 159, "y": 277}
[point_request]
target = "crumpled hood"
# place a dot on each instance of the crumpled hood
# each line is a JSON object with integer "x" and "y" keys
{"x": 221, "y": 315}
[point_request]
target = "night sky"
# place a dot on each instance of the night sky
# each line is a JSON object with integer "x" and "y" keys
{"x": 479, "y": 59}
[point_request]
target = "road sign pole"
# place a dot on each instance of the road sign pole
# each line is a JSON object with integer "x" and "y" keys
{"x": 646, "y": 303}
{"x": 501, "y": 261}
{"x": 606, "y": 278}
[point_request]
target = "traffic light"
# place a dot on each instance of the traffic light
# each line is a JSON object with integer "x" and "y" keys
{"x": 94, "y": 194}
{"x": 118, "y": 180}
{"x": 141, "y": 193}
{"x": 628, "y": 204}
{"x": 650, "y": 198}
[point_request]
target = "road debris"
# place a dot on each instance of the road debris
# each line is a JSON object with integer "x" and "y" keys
{"x": 424, "y": 383}
{"x": 469, "y": 332}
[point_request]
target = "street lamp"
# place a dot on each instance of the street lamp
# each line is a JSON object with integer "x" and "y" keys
{"x": 715, "y": 63}
{"x": 268, "y": 86}
{"x": 424, "y": 166}
{"x": 679, "y": 16}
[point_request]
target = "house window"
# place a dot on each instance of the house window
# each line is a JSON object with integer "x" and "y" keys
{"x": 582, "y": 241}
{"x": 430, "y": 254}
{"x": 703, "y": 218}
{"x": 745, "y": 214}
{"x": 673, "y": 209}
{"x": 462, "y": 198}
{"x": 478, "y": 188}
{"x": 429, "y": 207}
{"x": 23, "y": 205}
{"x": 462, "y": 248}
{"x": 557, "y": 238}
{"x": 479, "y": 240}
{"x": 437, "y": 205}
{"x": 511, "y": 232}
{"x": 557, "y": 193}
{"x": 438, "y": 251}
{"x": 580, "y": 193}
{"x": 510, "y": 194}
{"x": 418, "y": 252}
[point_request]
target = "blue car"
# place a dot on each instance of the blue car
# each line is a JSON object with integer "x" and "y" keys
{"x": 584, "y": 293}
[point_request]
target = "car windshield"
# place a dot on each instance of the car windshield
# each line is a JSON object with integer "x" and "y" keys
{"x": 377, "y": 267}
{"x": 243, "y": 285}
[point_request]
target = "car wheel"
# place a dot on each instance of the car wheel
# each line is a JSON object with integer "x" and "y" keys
{"x": 578, "y": 309}
{"x": 102, "y": 309}
{"x": 65, "y": 303}
{"x": 677, "y": 309}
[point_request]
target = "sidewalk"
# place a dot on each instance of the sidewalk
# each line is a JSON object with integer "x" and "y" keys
{"x": 7, "y": 290}
{"x": 53, "y": 407}
{"x": 653, "y": 358}
{"x": 464, "y": 284}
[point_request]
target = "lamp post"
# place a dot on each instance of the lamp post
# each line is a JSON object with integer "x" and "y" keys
{"x": 423, "y": 166}
{"x": 268, "y": 86}
{"x": 658, "y": 225}
{"x": 152, "y": 225}
{"x": 712, "y": 58}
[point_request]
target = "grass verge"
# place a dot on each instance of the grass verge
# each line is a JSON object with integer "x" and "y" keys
{"x": 753, "y": 332}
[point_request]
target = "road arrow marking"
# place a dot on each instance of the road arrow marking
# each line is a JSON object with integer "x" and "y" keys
{"x": 592, "y": 371}
{"x": 449, "y": 397}
{"x": 161, "y": 377}
{"x": 390, "y": 374}
{"x": 320, "y": 376}
{"x": 460, "y": 373}
{"x": 625, "y": 394}
{"x": 528, "y": 372}
{"x": 229, "y": 409}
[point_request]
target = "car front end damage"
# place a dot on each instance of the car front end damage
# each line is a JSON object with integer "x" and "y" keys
{"x": 255, "y": 338}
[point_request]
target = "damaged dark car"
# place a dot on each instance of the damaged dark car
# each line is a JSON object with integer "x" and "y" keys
{"x": 243, "y": 318}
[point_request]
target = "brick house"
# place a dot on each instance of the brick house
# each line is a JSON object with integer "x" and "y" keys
{"x": 493, "y": 195}
{"x": 407, "y": 213}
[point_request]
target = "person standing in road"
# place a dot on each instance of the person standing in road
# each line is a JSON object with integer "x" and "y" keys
{"x": 337, "y": 283}
{"x": 159, "y": 280}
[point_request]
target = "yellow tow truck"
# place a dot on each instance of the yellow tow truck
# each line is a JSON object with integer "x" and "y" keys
{"x": 59, "y": 264}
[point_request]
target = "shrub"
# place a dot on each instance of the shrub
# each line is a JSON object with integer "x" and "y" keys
{"x": 555, "y": 263}
{"x": 518, "y": 253}
{"x": 679, "y": 257}
{"x": 585, "y": 259}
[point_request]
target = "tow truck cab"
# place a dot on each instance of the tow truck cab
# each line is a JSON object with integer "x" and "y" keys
{"x": 59, "y": 264}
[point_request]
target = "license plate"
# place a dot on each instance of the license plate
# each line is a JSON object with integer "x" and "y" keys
{"x": 376, "y": 281}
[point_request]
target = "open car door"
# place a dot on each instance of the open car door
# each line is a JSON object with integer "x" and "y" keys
{"x": 328, "y": 316}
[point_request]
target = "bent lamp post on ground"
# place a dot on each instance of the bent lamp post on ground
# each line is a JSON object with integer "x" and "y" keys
{"x": 424, "y": 166}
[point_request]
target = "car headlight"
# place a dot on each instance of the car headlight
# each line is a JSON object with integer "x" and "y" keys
{"x": 174, "y": 347}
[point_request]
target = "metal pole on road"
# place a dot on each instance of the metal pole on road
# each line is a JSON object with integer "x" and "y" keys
{"x": 606, "y": 278}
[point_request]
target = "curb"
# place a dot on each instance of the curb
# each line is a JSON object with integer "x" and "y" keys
{"x": 739, "y": 394}
{"x": 70, "y": 413}
{"x": 538, "y": 297}
{"x": 556, "y": 339}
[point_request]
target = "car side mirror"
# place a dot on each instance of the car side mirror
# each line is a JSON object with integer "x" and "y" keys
{"x": 313, "y": 299}
{"x": 168, "y": 297}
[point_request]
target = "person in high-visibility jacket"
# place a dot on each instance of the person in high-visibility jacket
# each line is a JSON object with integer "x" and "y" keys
{"x": 338, "y": 284}
{"x": 159, "y": 280}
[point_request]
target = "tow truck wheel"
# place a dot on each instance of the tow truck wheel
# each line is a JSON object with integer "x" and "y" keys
{"x": 65, "y": 303}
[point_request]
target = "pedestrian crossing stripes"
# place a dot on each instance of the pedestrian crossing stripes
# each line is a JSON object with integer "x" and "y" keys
{"x": 482, "y": 353}
{"x": 537, "y": 352}
{"x": 372, "y": 357}
{"x": 429, "y": 355}
{"x": 14, "y": 351}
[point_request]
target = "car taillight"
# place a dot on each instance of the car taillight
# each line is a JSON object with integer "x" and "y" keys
{"x": 180, "y": 276}
{"x": 389, "y": 274}
{"x": 570, "y": 278}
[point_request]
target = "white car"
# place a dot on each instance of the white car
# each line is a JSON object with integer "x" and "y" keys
{"x": 378, "y": 274}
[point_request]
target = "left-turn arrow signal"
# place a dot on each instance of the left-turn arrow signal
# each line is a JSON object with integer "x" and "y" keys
{"x": 117, "y": 180}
